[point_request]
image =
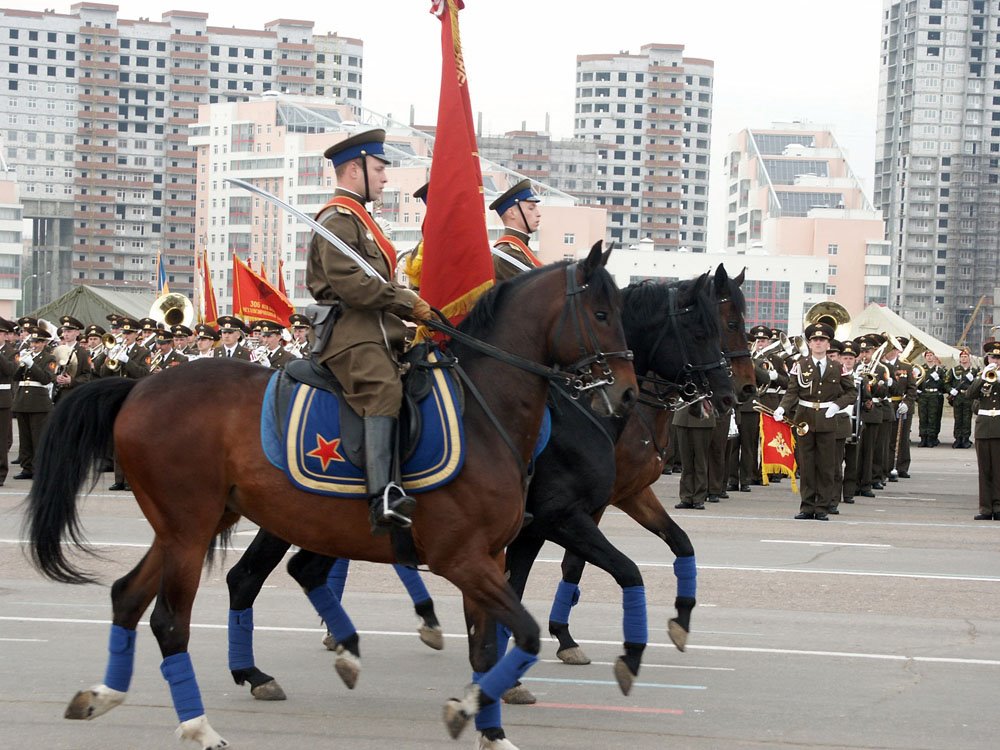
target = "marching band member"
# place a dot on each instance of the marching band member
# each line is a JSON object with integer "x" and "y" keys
{"x": 817, "y": 390}
{"x": 301, "y": 343}
{"x": 127, "y": 360}
{"x": 902, "y": 395}
{"x": 32, "y": 404}
{"x": 165, "y": 356}
{"x": 930, "y": 400}
{"x": 94, "y": 336}
{"x": 874, "y": 376}
{"x": 206, "y": 337}
{"x": 8, "y": 368}
{"x": 956, "y": 382}
{"x": 845, "y": 428}
{"x": 79, "y": 368}
{"x": 984, "y": 389}
{"x": 183, "y": 341}
{"x": 270, "y": 335}
{"x": 231, "y": 329}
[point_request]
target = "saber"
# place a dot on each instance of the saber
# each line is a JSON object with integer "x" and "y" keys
{"x": 316, "y": 226}
{"x": 513, "y": 261}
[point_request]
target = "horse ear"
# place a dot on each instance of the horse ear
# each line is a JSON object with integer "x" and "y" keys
{"x": 700, "y": 283}
{"x": 593, "y": 261}
{"x": 721, "y": 279}
{"x": 739, "y": 279}
{"x": 607, "y": 254}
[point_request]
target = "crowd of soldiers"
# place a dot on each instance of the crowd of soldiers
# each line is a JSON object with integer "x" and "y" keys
{"x": 41, "y": 363}
{"x": 851, "y": 404}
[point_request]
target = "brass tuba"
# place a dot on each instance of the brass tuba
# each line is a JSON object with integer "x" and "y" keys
{"x": 172, "y": 309}
{"x": 911, "y": 355}
{"x": 833, "y": 314}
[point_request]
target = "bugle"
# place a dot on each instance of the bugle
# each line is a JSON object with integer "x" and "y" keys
{"x": 801, "y": 428}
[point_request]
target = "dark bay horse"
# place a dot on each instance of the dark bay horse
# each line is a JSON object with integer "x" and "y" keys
{"x": 639, "y": 461}
{"x": 558, "y": 319}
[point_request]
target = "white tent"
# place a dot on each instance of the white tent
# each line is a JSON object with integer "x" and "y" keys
{"x": 878, "y": 319}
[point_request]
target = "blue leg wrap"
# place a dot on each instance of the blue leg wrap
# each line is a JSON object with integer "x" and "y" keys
{"x": 686, "y": 573}
{"x": 328, "y": 607}
{"x": 414, "y": 584}
{"x": 503, "y": 640}
{"x": 506, "y": 672}
{"x": 241, "y": 638}
{"x": 336, "y": 579}
{"x": 567, "y": 595}
{"x": 179, "y": 674}
{"x": 634, "y": 614}
{"x": 489, "y": 715}
{"x": 121, "y": 658}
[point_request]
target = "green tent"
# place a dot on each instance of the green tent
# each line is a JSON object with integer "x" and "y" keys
{"x": 93, "y": 305}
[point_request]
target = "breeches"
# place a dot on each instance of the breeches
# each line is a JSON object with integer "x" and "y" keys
{"x": 371, "y": 380}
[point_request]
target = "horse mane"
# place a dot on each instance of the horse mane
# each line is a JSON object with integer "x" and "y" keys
{"x": 646, "y": 303}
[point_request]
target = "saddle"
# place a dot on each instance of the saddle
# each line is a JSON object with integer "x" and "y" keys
{"x": 310, "y": 431}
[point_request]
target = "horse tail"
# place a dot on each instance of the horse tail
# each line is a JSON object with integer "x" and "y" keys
{"x": 77, "y": 439}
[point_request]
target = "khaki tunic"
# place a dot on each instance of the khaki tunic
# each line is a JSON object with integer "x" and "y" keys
{"x": 502, "y": 270}
{"x": 370, "y": 332}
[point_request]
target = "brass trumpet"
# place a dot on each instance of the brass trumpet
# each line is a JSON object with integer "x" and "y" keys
{"x": 989, "y": 375}
{"x": 801, "y": 428}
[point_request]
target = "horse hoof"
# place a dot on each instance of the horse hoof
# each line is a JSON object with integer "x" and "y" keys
{"x": 199, "y": 730}
{"x": 89, "y": 704}
{"x": 501, "y": 744}
{"x": 519, "y": 695}
{"x": 677, "y": 634}
{"x": 432, "y": 636}
{"x": 330, "y": 642}
{"x": 624, "y": 675}
{"x": 573, "y": 655}
{"x": 269, "y": 691}
{"x": 458, "y": 712}
{"x": 348, "y": 666}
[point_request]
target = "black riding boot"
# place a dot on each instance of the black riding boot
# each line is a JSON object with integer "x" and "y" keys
{"x": 389, "y": 504}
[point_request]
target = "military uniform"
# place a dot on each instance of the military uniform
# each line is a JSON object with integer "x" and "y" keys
{"x": 814, "y": 391}
{"x": 957, "y": 382}
{"x": 228, "y": 323}
{"x": 134, "y": 365}
{"x": 987, "y": 437}
{"x": 902, "y": 391}
{"x": 930, "y": 402}
{"x": 694, "y": 435}
{"x": 32, "y": 403}
{"x": 872, "y": 419}
{"x": 514, "y": 242}
{"x": 8, "y": 367}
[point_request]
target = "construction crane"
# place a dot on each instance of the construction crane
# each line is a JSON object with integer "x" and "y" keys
{"x": 968, "y": 325}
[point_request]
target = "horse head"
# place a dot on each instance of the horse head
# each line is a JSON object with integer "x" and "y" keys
{"x": 673, "y": 329}
{"x": 732, "y": 310}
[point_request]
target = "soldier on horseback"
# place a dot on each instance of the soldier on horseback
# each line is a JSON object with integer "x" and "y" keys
{"x": 362, "y": 349}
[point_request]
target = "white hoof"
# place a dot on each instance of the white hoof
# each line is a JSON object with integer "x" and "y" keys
{"x": 433, "y": 637}
{"x": 574, "y": 655}
{"x": 624, "y": 675}
{"x": 348, "y": 666}
{"x": 198, "y": 730}
{"x": 677, "y": 634}
{"x": 503, "y": 744}
{"x": 519, "y": 695}
{"x": 458, "y": 712}
{"x": 330, "y": 642}
{"x": 89, "y": 704}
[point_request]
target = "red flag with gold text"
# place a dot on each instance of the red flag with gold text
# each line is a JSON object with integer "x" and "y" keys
{"x": 209, "y": 308}
{"x": 255, "y": 299}
{"x": 777, "y": 449}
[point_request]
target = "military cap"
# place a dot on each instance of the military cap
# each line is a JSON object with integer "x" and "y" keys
{"x": 269, "y": 326}
{"x": 129, "y": 325}
{"x": 992, "y": 348}
{"x": 836, "y": 346}
{"x": 206, "y": 331}
{"x": 875, "y": 339}
{"x": 231, "y": 323}
{"x": 903, "y": 341}
{"x": 94, "y": 330}
{"x": 759, "y": 332}
{"x": 39, "y": 334}
{"x": 819, "y": 331}
{"x": 776, "y": 334}
{"x": 148, "y": 324}
{"x": 421, "y": 192}
{"x": 254, "y": 326}
{"x": 164, "y": 336}
{"x": 26, "y": 321}
{"x": 7, "y": 326}
{"x": 964, "y": 350}
{"x": 114, "y": 319}
{"x": 68, "y": 321}
{"x": 519, "y": 192}
{"x": 180, "y": 330}
{"x": 299, "y": 321}
{"x": 863, "y": 344}
{"x": 368, "y": 143}
{"x": 849, "y": 349}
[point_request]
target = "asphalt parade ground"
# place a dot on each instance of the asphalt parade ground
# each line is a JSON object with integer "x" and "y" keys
{"x": 877, "y": 629}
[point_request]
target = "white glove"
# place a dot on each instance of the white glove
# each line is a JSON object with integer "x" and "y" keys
{"x": 953, "y": 392}
{"x": 122, "y": 358}
{"x": 888, "y": 382}
{"x": 831, "y": 411}
{"x": 772, "y": 374}
{"x": 970, "y": 377}
{"x": 848, "y": 410}
{"x": 27, "y": 359}
{"x": 903, "y": 408}
{"x": 779, "y": 414}
{"x": 935, "y": 375}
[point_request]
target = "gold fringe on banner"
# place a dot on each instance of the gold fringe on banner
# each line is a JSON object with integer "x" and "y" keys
{"x": 766, "y": 469}
{"x": 460, "y": 306}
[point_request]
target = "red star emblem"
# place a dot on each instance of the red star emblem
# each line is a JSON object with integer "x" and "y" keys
{"x": 326, "y": 450}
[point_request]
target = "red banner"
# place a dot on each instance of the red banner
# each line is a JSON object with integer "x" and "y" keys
{"x": 209, "y": 309}
{"x": 777, "y": 449}
{"x": 281, "y": 278}
{"x": 255, "y": 299}
{"x": 457, "y": 263}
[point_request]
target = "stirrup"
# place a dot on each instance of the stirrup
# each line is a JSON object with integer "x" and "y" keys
{"x": 397, "y": 514}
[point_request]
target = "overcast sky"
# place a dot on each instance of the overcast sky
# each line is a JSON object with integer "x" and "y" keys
{"x": 775, "y": 60}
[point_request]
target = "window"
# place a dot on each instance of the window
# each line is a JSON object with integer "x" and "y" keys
{"x": 831, "y": 249}
{"x": 569, "y": 239}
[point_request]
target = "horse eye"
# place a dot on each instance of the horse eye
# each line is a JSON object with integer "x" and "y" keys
{"x": 731, "y": 325}
{"x": 601, "y": 315}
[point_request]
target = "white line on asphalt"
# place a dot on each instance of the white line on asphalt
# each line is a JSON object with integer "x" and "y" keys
{"x": 29, "y": 640}
{"x": 832, "y": 544}
{"x": 589, "y": 642}
{"x": 647, "y": 665}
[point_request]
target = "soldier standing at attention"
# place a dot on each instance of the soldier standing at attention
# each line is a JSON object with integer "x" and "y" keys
{"x": 231, "y": 329}
{"x": 518, "y": 209}
{"x": 984, "y": 389}
{"x": 694, "y": 435}
{"x": 8, "y": 367}
{"x": 902, "y": 396}
{"x": 32, "y": 404}
{"x": 957, "y": 381}
{"x": 845, "y": 426}
{"x": 79, "y": 369}
{"x": 817, "y": 391}
{"x": 362, "y": 350}
{"x": 930, "y": 401}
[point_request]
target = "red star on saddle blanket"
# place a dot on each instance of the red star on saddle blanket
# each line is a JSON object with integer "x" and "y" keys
{"x": 326, "y": 450}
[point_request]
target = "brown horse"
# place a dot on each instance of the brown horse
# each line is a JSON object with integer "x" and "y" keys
{"x": 555, "y": 323}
